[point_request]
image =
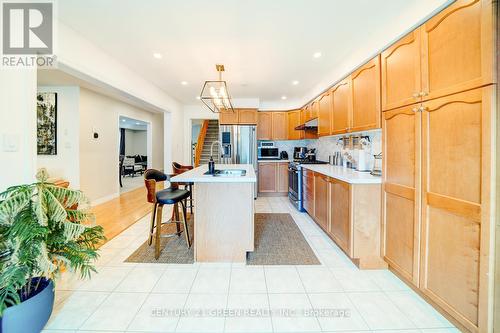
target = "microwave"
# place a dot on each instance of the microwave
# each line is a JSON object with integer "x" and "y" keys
{"x": 266, "y": 150}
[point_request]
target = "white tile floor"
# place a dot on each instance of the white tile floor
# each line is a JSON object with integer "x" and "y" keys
{"x": 333, "y": 297}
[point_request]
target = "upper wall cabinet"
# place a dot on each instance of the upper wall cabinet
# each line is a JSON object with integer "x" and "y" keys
{"x": 365, "y": 86}
{"x": 293, "y": 119}
{"x": 457, "y": 49}
{"x": 324, "y": 114}
{"x": 341, "y": 97}
{"x": 247, "y": 116}
{"x": 228, "y": 118}
{"x": 264, "y": 126}
{"x": 279, "y": 126}
{"x": 239, "y": 116}
{"x": 401, "y": 78}
{"x": 450, "y": 53}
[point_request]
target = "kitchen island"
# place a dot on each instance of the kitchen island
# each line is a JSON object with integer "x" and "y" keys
{"x": 223, "y": 212}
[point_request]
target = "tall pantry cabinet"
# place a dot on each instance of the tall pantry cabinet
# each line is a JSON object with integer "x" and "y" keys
{"x": 438, "y": 100}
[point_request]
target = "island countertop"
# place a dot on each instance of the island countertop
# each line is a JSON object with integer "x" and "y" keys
{"x": 197, "y": 175}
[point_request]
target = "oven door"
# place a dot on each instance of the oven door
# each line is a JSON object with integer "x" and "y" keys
{"x": 293, "y": 183}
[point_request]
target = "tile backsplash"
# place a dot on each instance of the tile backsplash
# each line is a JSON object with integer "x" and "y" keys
{"x": 327, "y": 145}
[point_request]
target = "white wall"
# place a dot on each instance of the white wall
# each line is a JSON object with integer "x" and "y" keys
{"x": 66, "y": 164}
{"x": 136, "y": 142}
{"x": 81, "y": 58}
{"x": 17, "y": 126}
{"x": 99, "y": 157}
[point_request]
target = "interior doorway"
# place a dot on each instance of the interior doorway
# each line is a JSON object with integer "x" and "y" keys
{"x": 134, "y": 151}
{"x": 203, "y": 133}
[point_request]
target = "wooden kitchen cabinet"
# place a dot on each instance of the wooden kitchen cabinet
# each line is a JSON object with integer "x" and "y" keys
{"x": 282, "y": 177}
{"x": 456, "y": 214}
{"x": 308, "y": 183}
{"x": 293, "y": 119}
{"x": 457, "y": 49}
{"x": 401, "y": 190}
{"x": 228, "y": 117}
{"x": 401, "y": 74}
{"x": 247, "y": 116}
{"x": 273, "y": 177}
{"x": 267, "y": 177}
{"x": 365, "y": 87}
{"x": 239, "y": 116}
{"x": 279, "y": 126}
{"x": 341, "y": 107}
{"x": 264, "y": 126}
{"x": 324, "y": 114}
{"x": 313, "y": 111}
{"x": 340, "y": 221}
{"x": 321, "y": 201}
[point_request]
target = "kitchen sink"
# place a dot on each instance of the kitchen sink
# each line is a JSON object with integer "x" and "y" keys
{"x": 229, "y": 173}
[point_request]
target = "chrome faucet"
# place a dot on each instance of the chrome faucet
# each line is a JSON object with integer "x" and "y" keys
{"x": 212, "y": 147}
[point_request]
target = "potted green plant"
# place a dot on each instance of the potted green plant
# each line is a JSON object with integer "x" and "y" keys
{"x": 44, "y": 230}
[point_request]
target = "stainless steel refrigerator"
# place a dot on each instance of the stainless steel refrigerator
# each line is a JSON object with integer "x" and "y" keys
{"x": 239, "y": 146}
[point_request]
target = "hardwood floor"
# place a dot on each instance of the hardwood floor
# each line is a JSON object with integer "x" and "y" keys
{"x": 118, "y": 214}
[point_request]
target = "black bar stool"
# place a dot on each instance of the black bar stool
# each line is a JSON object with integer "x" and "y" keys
{"x": 169, "y": 196}
{"x": 178, "y": 169}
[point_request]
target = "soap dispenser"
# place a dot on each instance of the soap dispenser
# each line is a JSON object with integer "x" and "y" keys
{"x": 211, "y": 166}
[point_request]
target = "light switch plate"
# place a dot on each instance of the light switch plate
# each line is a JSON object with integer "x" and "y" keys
{"x": 10, "y": 142}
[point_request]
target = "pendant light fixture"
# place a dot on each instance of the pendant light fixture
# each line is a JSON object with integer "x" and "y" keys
{"x": 215, "y": 95}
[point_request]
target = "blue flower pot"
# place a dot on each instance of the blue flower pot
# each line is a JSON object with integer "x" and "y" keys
{"x": 32, "y": 314}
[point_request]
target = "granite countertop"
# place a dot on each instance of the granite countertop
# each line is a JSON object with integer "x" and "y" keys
{"x": 344, "y": 174}
{"x": 197, "y": 175}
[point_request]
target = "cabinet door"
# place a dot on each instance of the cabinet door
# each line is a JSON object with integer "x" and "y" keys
{"x": 341, "y": 107}
{"x": 279, "y": 126}
{"x": 282, "y": 176}
{"x": 293, "y": 118}
{"x": 457, "y": 48}
{"x": 324, "y": 115}
{"x": 313, "y": 113}
{"x": 304, "y": 114}
{"x": 340, "y": 218}
{"x": 401, "y": 76}
{"x": 401, "y": 190}
{"x": 456, "y": 177}
{"x": 267, "y": 177}
{"x": 321, "y": 200}
{"x": 247, "y": 116}
{"x": 228, "y": 117}
{"x": 308, "y": 181}
{"x": 264, "y": 126}
{"x": 365, "y": 87}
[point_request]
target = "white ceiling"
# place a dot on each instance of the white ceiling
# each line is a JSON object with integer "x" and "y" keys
{"x": 264, "y": 44}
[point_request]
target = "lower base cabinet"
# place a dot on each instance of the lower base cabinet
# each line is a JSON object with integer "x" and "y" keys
{"x": 273, "y": 177}
{"x": 350, "y": 215}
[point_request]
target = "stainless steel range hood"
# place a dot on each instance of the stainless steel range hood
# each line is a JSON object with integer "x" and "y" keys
{"x": 308, "y": 125}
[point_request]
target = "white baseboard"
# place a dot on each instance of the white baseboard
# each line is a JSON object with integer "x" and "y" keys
{"x": 104, "y": 199}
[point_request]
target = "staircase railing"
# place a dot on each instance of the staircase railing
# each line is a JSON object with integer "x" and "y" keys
{"x": 200, "y": 143}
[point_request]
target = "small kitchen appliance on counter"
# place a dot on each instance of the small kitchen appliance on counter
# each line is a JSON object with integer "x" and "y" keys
{"x": 283, "y": 155}
{"x": 267, "y": 151}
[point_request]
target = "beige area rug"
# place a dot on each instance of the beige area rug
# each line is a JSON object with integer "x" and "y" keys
{"x": 278, "y": 241}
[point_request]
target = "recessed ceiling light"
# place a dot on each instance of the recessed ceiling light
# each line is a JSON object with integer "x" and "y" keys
{"x": 295, "y": 82}
{"x": 157, "y": 55}
{"x": 317, "y": 55}
{"x": 283, "y": 97}
{"x": 198, "y": 97}
{"x": 123, "y": 120}
{"x": 184, "y": 83}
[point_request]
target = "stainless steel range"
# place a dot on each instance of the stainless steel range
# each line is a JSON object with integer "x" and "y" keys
{"x": 295, "y": 181}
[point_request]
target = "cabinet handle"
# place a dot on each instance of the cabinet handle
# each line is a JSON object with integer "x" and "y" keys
{"x": 416, "y": 95}
{"x": 415, "y": 109}
{"x": 423, "y": 93}
{"x": 423, "y": 108}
